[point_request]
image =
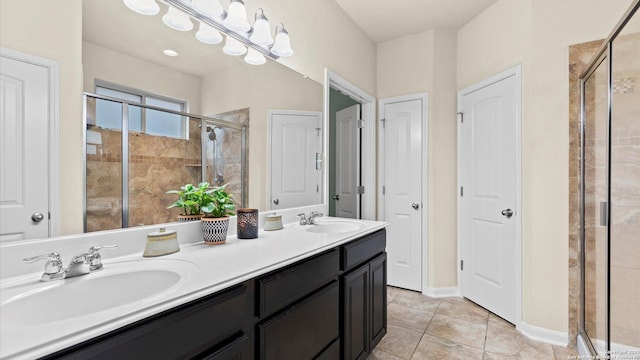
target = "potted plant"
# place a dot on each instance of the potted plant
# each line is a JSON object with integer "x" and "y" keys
{"x": 217, "y": 206}
{"x": 190, "y": 199}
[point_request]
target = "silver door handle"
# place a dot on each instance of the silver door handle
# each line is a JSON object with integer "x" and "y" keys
{"x": 37, "y": 217}
{"x": 276, "y": 201}
{"x": 507, "y": 213}
{"x": 336, "y": 197}
{"x": 416, "y": 206}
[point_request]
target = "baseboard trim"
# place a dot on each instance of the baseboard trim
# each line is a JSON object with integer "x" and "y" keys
{"x": 442, "y": 292}
{"x": 544, "y": 335}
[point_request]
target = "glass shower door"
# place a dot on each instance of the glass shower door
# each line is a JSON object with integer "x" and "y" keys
{"x": 625, "y": 193}
{"x": 595, "y": 175}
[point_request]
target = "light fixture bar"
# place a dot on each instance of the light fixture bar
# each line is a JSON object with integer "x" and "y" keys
{"x": 178, "y": 4}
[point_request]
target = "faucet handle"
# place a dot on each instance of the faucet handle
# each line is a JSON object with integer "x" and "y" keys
{"x": 95, "y": 258}
{"x": 303, "y": 218}
{"x": 53, "y": 269}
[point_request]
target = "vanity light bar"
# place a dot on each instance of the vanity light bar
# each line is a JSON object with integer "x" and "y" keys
{"x": 178, "y": 4}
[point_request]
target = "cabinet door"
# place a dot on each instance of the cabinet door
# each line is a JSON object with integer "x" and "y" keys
{"x": 355, "y": 288}
{"x": 378, "y": 274}
{"x": 303, "y": 330}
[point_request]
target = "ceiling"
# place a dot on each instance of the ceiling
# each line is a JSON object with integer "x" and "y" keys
{"x": 384, "y": 20}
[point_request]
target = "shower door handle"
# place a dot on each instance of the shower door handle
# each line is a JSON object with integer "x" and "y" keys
{"x": 604, "y": 212}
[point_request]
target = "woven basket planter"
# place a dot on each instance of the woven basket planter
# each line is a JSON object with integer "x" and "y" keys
{"x": 214, "y": 230}
{"x": 188, "y": 218}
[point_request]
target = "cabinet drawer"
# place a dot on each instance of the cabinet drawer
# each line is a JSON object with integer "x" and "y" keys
{"x": 239, "y": 349}
{"x": 278, "y": 290}
{"x": 359, "y": 251}
{"x": 183, "y": 333}
{"x": 304, "y": 330}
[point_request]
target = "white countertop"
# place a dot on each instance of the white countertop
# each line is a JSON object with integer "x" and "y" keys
{"x": 210, "y": 269}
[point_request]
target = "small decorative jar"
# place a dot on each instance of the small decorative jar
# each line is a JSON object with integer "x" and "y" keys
{"x": 161, "y": 243}
{"x": 214, "y": 230}
{"x": 247, "y": 223}
{"x": 273, "y": 222}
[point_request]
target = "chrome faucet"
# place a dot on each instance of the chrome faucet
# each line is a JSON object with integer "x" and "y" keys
{"x": 81, "y": 264}
{"x": 313, "y": 216}
{"x": 310, "y": 219}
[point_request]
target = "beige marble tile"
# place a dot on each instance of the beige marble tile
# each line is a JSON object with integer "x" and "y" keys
{"x": 505, "y": 342}
{"x": 408, "y": 317}
{"x": 416, "y": 300}
{"x": 392, "y": 292}
{"x": 377, "y": 354}
{"x": 463, "y": 309}
{"x": 399, "y": 341}
{"x": 459, "y": 331}
{"x": 435, "y": 348}
{"x": 564, "y": 352}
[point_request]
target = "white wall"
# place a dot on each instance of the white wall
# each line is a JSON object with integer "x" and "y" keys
{"x": 53, "y": 30}
{"x": 108, "y": 65}
{"x": 537, "y": 34}
{"x": 267, "y": 87}
{"x": 426, "y": 62}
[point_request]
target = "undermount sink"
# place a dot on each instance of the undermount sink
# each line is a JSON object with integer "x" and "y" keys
{"x": 117, "y": 285}
{"x": 334, "y": 226}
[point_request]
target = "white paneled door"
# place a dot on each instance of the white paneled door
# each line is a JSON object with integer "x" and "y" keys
{"x": 488, "y": 196}
{"x": 402, "y": 134}
{"x": 24, "y": 116}
{"x": 295, "y": 173}
{"x": 348, "y": 163}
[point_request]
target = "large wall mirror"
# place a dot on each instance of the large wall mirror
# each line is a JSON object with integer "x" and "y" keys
{"x": 122, "y": 54}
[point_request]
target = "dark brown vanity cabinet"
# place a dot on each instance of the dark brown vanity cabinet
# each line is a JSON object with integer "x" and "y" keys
{"x": 364, "y": 296}
{"x": 216, "y": 327}
{"x": 329, "y": 306}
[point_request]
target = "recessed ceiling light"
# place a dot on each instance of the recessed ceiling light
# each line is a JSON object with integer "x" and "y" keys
{"x": 170, "y": 52}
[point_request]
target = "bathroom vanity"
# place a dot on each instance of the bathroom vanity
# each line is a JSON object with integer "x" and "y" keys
{"x": 300, "y": 293}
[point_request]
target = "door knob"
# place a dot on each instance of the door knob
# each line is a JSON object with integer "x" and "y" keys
{"x": 276, "y": 201}
{"x": 507, "y": 213}
{"x": 416, "y": 206}
{"x": 37, "y": 217}
{"x": 336, "y": 197}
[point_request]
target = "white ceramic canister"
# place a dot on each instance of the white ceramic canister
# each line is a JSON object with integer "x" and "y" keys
{"x": 161, "y": 243}
{"x": 273, "y": 222}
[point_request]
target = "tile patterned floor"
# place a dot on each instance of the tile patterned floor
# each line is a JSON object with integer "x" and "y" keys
{"x": 420, "y": 327}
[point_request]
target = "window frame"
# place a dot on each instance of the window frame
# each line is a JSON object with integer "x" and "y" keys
{"x": 184, "y": 105}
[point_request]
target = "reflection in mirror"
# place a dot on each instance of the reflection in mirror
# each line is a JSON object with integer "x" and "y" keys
{"x": 125, "y": 49}
{"x": 127, "y": 178}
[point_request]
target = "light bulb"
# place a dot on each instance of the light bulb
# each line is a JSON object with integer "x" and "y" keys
{"x": 177, "y": 20}
{"x": 236, "y": 19}
{"x": 208, "y": 35}
{"x": 144, "y": 7}
{"x": 261, "y": 34}
{"x": 209, "y": 8}
{"x": 234, "y": 47}
{"x": 282, "y": 45}
{"x": 254, "y": 57}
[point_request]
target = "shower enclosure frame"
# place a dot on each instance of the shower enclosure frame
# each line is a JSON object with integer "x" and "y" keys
{"x": 605, "y": 53}
{"x": 204, "y": 121}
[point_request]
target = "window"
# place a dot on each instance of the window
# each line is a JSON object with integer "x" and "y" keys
{"x": 148, "y": 121}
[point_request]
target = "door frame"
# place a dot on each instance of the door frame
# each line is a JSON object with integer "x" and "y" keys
{"x": 368, "y": 140}
{"x": 270, "y": 114}
{"x": 515, "y": 71}
{"x": 53, "y": 156}
{"x": 424, "y": 97}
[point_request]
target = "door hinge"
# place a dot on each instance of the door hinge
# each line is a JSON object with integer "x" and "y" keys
{"x": 319, "y": 130}
{"x": 360, "y": 189}
{"x": 383, "y": 122}
{"x": 461, "y": 115}
{"x": 461, "y": 264}
{"x": 461, "y": 191}
{"x": 383, "y": 190}
{"x": 317, "y": 188}
{"x": 360, "y": 124}
{"x": 49, "y": 216}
